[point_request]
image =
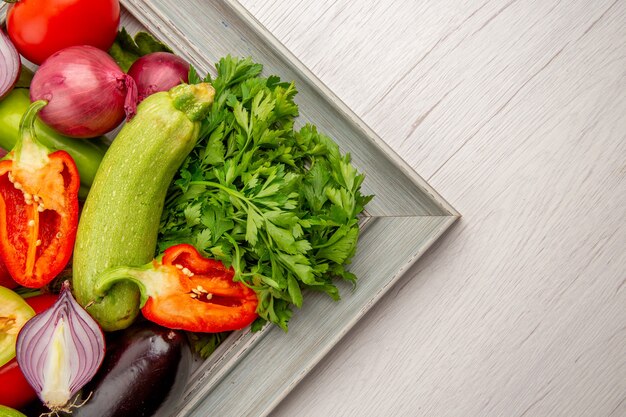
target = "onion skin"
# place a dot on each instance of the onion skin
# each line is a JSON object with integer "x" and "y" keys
{"x": 88, "y": 94}
{"x": 158, "y": 71}
{"x": 10, "y": 65}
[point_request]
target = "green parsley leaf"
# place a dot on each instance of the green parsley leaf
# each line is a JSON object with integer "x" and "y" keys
{"x": 278, "y": 205}
{"x": 204, "y": 344}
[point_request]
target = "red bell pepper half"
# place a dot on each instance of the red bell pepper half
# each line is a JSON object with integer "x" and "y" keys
{"x": 5, "y": 278}
{"x": 183, "y": 290}
{"x": 38, "y": 207}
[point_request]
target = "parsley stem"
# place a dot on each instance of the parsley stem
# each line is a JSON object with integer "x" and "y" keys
{"x": 173, "y": 196}
{"x": 230, "y": 191}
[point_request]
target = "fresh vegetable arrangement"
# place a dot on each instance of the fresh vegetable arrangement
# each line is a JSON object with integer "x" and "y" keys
{"x": 207, "y": 213}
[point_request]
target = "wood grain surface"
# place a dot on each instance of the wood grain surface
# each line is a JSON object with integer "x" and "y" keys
{"x": 515, "y": 111}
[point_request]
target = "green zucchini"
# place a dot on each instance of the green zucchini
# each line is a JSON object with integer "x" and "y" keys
{"x": 120, "y": 219}
{"x": 9, "y": 412}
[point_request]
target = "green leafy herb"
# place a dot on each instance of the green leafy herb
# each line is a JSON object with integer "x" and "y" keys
{"x": 204, "y": 344}
{"x": 126, "y": 50}
{"x": 279, "y": 205}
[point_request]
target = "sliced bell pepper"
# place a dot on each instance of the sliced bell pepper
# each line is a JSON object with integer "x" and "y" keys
{"x": 183, "y": 290}
{"x": 5, "y": 278}
{"x": 38, "y": 207}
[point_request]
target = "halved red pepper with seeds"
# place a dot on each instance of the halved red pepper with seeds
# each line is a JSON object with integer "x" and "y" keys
{"x": 183, "y": 290}
{"x": 38, "y": 207}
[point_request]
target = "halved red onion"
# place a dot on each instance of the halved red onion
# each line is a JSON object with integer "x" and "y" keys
{"x": 10, "y": 65}
{"x": 60, "y": 350}
{"x": 88, "y": 94}
{"x": 158, "y": 71}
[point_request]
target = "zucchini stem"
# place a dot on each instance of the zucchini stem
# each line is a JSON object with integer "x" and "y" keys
{"x": 194, "y": 100}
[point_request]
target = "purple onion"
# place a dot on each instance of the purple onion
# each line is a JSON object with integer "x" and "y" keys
{"x": 158, "y": 71}
{"x": 60, "y": 350}
{"x": 88, "y": 94}
{"x": 10, "y": 65}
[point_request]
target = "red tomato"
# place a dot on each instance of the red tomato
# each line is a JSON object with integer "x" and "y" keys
{"x": 16, "y": 392}
{"x": 39, "y": 28}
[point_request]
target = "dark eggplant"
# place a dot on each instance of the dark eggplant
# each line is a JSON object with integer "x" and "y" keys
{"x": 146, "y": 367}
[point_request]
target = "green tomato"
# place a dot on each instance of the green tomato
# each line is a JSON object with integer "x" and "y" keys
{"x": 9, "y": 412}
{"x": 14, "y": 313}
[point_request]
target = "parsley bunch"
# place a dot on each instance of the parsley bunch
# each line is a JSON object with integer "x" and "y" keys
{"x": 278, "y": 205}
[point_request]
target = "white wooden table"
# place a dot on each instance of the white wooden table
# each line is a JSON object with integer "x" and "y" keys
{"x": 515, "y": 111}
